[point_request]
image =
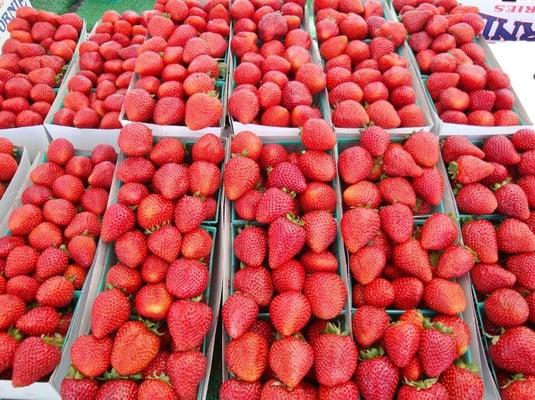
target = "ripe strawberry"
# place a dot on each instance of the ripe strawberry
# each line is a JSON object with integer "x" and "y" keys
{"x": 12, "y": 308}
{"x": 111, "y": 309}
{"x": 469, "y": 169}
{"x": 317, "y": 134}
{"x": 445, "y": 297}
{"x": 288, "y": 277}
{"x": 34, "y": 359}
{"x": 39, "y": 321}
{"x": 247, "y": 356}
{"x": 428, "y": 389}
{"x": 514, "y": 236}
{"x": 462, "y": 381}
{"x": 505, "y": 350}
{"x": 291, "y": 358}
{"x": 355, "y": 164}
{"x": 139, "y": 105}
{"x": 197, "y": 244}
{"x": 408, "y": 292}
{"x": 326, "y": 294}
{"x": 396, "y": 222}
{"x": 489, "y": 277}
{"x": 523, "y": 140}
{"x": 423, "y": 147}
{"x": 286, "y": 238}
{"x": 397, "y": 190}
{"x": 127, "y": 389}
{"x": 273, "y": 204}
{"x": 367, "y": 264}
{"x": 246, "y": 206}
{"x": 187, "y": 278}
{"x": 501, "y": 150}
{"x": 24, "y": 219}
{"x": 188, "y": 322}
{"x": 401, "y": 342}
{"x": 123, "y": 278}
{"x": 507, "y": 308}
{"x": 460, "y": 331}
{"x": 438, "y": 232}
{"x": 186, "y": 370}
{"x": 476, "y": 199}
{"x": 239, "y": 313}
{"x": 398, "y": 162}
{"x": 317, "y": 166}
{"x": 211, "y": 111}
{"x": 335, "y": 356}
{"x": 286, "y": 175}
{"x": 91, "y": 356}
{"x": 512, "y": 201}
{"x": 518, "y": 387}
{"x": 241, "y": 175}
{"x": 454, "y": 262}
{"x": 359, "y": 226}
{"x": 290, "y": 312}
{"x": 135, "y": 140}
{"x": 250, "y": 246}
{"x": 437, "y": 349}
{"x": 412, "y": 259}
{"x": 376, "y": 376}
{"x": 36, "y": 195}
{"x": 118, "y": 219}
{"x": 456, "y": 146}
{"x": 149, "y": 389}
{"x": 78, "y": 389}
{"x": 320, "y": 229}
{"x": 256, "y": 282}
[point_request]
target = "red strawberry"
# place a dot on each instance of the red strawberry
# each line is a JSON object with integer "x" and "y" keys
{"x": 514, "y": 236}
{"x": 369, "y": 325}
{"x": 512, "y": 201}
{"x": 111, "y": 309}
{"x": 376, "y": 376}
{"x": 355, "y": 164}
{"x": 326, "y": 293}
{"x": 438, "y": 232}
{"x": 247, "y": 356}
{"x": 445, "y": 297}
{"x": 398, "y": 162}
{"x": 286, "y": 238}
{"x": 408, "y": 292}
{"x": 396, "y": 222}
{"x": 274, "y": 203}
{"x": 234, "y": 389}
{"x": 501, "y": 150}
{"x": 423, "y": 147}
{"x": 135, "y": 140}
{"x": 335, "y": 356}
{"x": 437, "y": 349}
{"x": 291, "y": 358}
{"x": 505, "y": 350}
{"x": 250, "y": 246}
{"x": 317, "y": 135}
{"x": 91, "y": 356}
{"x": 507, "y": 308}
{"x": 186, "y": 370}
{"x": 239, "y": 313}
{"x": 78, "y": 389}
{"x": 320, "y": 229}
{"x": 456, "y": 146}
{"x": 367, "y": 264}
{"x": 128, "y": 389}
{"x": 460, "y": 331}
{"x": 428, "y": 389}
{"x": 188, "y": 322}
{"x": 523, "y": 140}
{"x": 412, "y": 259}
{"x": 454, "y": 262}
{"x": 12, "y": 308}
{"x": 489, "y": 277}
{"x": 290, "y": 312}
{"x": 124, "y": 278}
{"x": 139, "y": 105}
{"x": 401, "y": 342}
{"x": 518, "y": 387}
{"x": 359, "y": 226}
{"x": 286, "y": 175}
{"x": 241, "y": 175}
{"x": 476, "y": 199}
{"x": 39, "y": 321}
{"x": 34, "y": 359}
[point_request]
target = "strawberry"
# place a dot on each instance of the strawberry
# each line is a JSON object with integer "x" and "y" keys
{"x": 91, "y": 356}
{"x": 514, "y": 236}
{"x": 320, "y": 229}
{"x": 489, "y": 277}
{"x": 401, "y": 332}
{"x": 188, "y": 322}
{"x": 286, "y": 175}
{"x": 445, "y": 297}
{"x": 523, "y": 140}
{"x": 505, "y": 350}
{"x": 408, "y": 292}
{"x": 207, "y": 148}
{"x": 398, "y": 162}
{"x": 250, "y": 246}
{"x": 501, "y": 150}
{"x": 124, "y": 278}
{"x": 290, "y": 312}
{"x": 241, "y": 175}
{"x": 171, "y": 180}
{"x": 359, "y": 226}
{"x": 243, "y": 106}
{"x": 23, "y": 286}
{"x": 460, "y": 331}
{"x": 423, "y": 147}
{"x": 291, "y": 358}
{"x": 456, "y": 146}
{"x": 367, "y": 264}
{"x": 196, "y": 244}
{"x": 428, "y": 389}
{"x": 60, "y": 151}
{"x": 507, "y": 308}
{"x": 24, "y": 219}
{"x": 518, "y": 387}
{"x": 454, "y": 262}
{"x": 155, "y": 387}
{"x": 34, "y": 359}
{"x": 39, "y": 321}
{"x": 469, "y": 169}
{"x": 438, "y": 232}
{"x": 212, "y": 110}
{"x": 286, "y": 238}
{"x": 239, "y": 313}
{"x": 347, "y": 390}
{"x": 78, "y": 389}
{"x": 476, "y": 199}
{"x": 155, "y": 210}
{"x": 462, "y": 381}
{"x": 526, "y": 165}
{"x": 247, "y": 356}
{"x": 255, "y": 281}
{"x": 520, "y": 266}
{"x": 326, "y": 293}
{"x": 246, "y": 206}
{"x": 36, "y": 195}
{"x": 397, "y": 190}
{"x": 527, "y": 183}
{"x": 317, "y": 166}
{"x": 376, "y": 376}
{"x": 355, "y": 164}
{"x": 165, "y": 243}
{"x": 12, "y": 308}
{"x": 274, "y": 203}
{"x": 82, "y": 250}
{"x": 111, "y": 309}
{"x": 412, "y": 259}
{"x": 234, "y": 389}
{"x": 84, "y": 222}
{"x": 512, "y": 201}
{"x": 335, "y": 356}
{"x": 139, "y": 105}
{"x": 127, "y": 389}
{"x": 369, "y": 325}
{"x": 135, "y": 140}
{"x": 153, "y": 301}
{"x": 317, "y": 134}
{"x": 56, "y": 292}
{"x": 118, "y": 219}
{"x": 396, "y": 222}
{"x": 362, "y": 194}
{"x": 134, "y": 347}
{"x": 437, "y": 348}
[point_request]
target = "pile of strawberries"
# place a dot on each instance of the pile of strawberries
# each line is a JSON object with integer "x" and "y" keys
{"x": 504, "y": 280}
{"x": 161, "y": 274}
{"x": 465, "y": 89}
{"x": 368, "y": 81}
{"x": 496, "y": 178}
{"x": 32, "y": 63}
{"x": 275, "y": 79}
{"x": 179, "y": 65}
{"x": 378, "y": 171}
{"x": 107, "y": 61}
{"x": 47, "y": 255}
{"x": 289, "y": 268}
{"x": 8, "y": 164}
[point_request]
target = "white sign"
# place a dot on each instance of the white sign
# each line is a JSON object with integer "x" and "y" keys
{"x": 8, "y": 8}
{"x": 506, "y": 20}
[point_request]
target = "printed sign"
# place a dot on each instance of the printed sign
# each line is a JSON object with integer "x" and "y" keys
{"x": 507, "y": 20}
{"x": 8, "y": 8}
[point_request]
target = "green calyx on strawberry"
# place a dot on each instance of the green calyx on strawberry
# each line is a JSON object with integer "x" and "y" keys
{"x": 427, "y": 324}
{"x": 469, "y": 366}
{"x": 55, "y": 340}
{"x": 74, "y": 373}
{"x": 371, "y": 353}
{"x": 113, "y": 375}
{"x": 335, "y": 329}
{"x": 151, "y": 325}
{"x": 514, "y": 378}
{"x": 295, "y": 219}
{"x": 421, "y": 385}
{"x": 15, "y": 334}
{"x": 453, "y": 169}
{"x": 499, "y": 185}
